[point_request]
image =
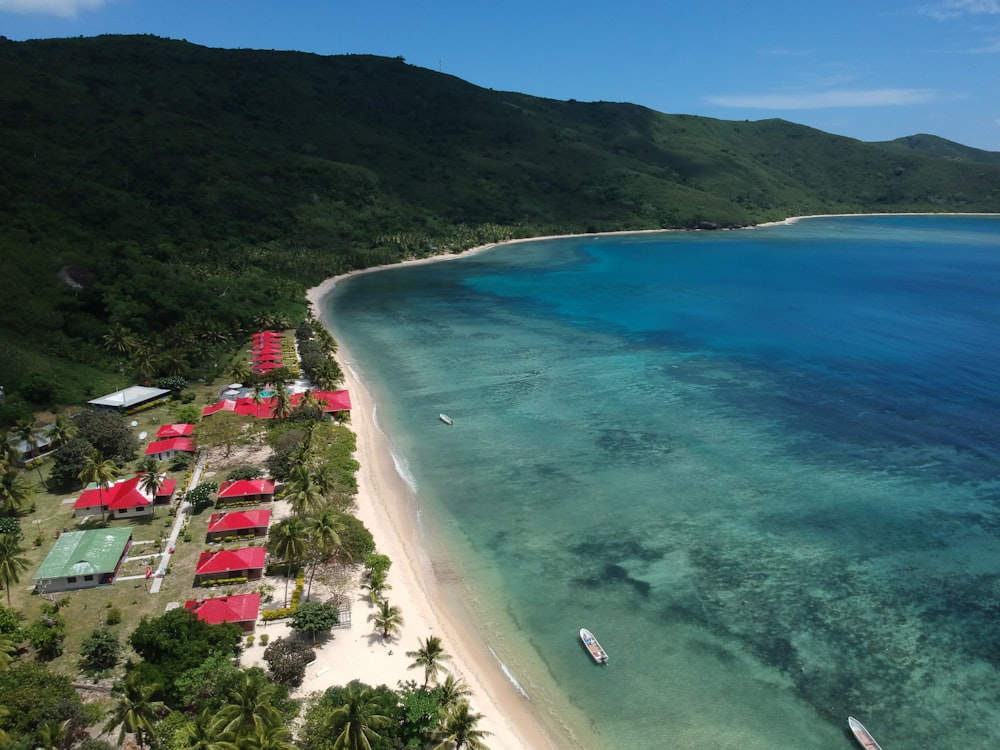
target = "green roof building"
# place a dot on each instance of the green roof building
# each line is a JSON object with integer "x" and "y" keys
{"x": 80, "y": 559}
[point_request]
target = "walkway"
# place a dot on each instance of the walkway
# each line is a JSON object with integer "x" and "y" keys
{"x": 182, "y": 510}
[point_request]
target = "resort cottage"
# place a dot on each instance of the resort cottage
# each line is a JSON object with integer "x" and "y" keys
{"x": 246, "y": 564}
{"x": 82, "y": 559}
{"x": 242, "y": 610}
{"x": 246, "y": 492}
{"x": 168, "y": 431}
{"x": 164, "y": 450}
{"x": 238, "y": 524}
{"x": 124, "y": 498}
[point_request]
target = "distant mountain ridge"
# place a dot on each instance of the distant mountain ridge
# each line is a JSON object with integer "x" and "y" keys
{"x": 176, "y": 184}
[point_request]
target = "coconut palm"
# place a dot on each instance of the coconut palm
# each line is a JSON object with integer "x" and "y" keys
{"x": 282, "y": 403}
{"x": 12, "y": 561}
{"x": 387, "y": 618}
{"x": 429, "y": 656}
{"x": 101, "y": 472}
{"x": 458, "y": 729}
{"x": 324, "y": 532}
{"x": 15, "y": 492}
{"x": 355, "y": 722}
{"x": 135, "y": 710}
{"x": 451, "y": 691}
{"x": 376, "y": 584}
{"x": 7, "y": 647}
{"x": 8, "y": 451}
{"x": 270, "y": 738}
{"x": 62, "y": 430}
{"x": 31, "y": 434}
{"x": 289, "y": 541}
{"x": 205, "y": 733}
{"x": 302, "y": 491}
{"x": 249, "y": 710}
{"x": 152, "y": 477}
{"x": 120, "y": 340}
{"x": 52, "y": 734}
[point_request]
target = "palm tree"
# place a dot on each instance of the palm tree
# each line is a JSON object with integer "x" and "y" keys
{"x": 289, "y": 541}
{"x": 14, "y": 489}
{"x": 270, "y": 738}
{"x": 429, "y": 656}
{"x": 52, "y": 734}
{"x": 101, "y": 472}
{"x": 249, "y": 710}
{"x": 119, "y": 340}
{"x": 282, "y": 402}
{"x": 205, "y": 733}
{"x": 377, "y": 583}
{"x": 145, "y": 362}
{"x": 135, "y": 710}
{"x": 451, "y": 691}
{"x": 63, "y": 430}
{"x": 12, "y": 561}
{"x": 324, "y": 532}
{"x": 7, "y": 647}
{"x": 8, "y": 452}
{"x": 303, "y": 492}
{"x": 356, "y": 721}
{"x": 458, "y": 729}
{"x": 388, "y": 619}
{"x": 27, "y": 430}
{"x": 152, "y": 477}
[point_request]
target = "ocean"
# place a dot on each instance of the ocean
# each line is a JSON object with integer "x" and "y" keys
{"x": 762, "y": 466}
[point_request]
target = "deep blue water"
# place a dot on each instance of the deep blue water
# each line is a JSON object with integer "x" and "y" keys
{"x": 762, "y": 466}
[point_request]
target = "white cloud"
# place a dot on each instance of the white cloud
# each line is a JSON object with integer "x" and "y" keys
{"x": 61, "y": 8}
{"x": 945, "y": 9}
{"x": 826, "y": 99}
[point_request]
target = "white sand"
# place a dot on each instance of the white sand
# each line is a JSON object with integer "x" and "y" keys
{"x": 385, "y": 504}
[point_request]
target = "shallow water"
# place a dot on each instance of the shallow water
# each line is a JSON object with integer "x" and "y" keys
{"x": 761, "y": 466}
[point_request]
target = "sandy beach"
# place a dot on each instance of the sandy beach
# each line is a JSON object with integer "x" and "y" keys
{"x": 386, "y": 505}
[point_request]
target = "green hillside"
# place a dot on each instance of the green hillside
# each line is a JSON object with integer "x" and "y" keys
{"x": 187, "y": 193}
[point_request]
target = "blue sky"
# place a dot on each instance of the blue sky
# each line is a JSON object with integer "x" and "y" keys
{"x": 872, "y": 70}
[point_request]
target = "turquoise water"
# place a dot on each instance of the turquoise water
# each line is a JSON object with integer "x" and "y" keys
{"x": 761, "y": 466}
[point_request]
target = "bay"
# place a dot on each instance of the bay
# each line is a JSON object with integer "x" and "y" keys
{"x": 762, "y": 466}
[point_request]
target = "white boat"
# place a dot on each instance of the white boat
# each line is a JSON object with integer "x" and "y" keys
{"x": 446, "y": 419}
{"x": 598, "y": 653}
{"x": 862, "y": 735}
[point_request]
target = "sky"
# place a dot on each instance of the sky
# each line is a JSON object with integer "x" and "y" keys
{"x": 868, "y": 69}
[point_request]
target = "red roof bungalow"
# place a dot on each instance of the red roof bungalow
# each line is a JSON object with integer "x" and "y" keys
{"x": 246, "y": 491}
{"x": 247, "y": 562}
{"x": 242, "y": 610}
{"x": 328, "y": 401}
{"x": 163, "y": 450}
{"x": 168, "y": 431}
{"x": 238, "y": 523}
{"x": 125, "y": 498}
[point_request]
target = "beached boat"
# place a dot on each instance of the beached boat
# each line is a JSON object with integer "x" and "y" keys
{"x": 446, "y": 419}
{"x": 862, "y": 735}
{"x": 599, "y": 654}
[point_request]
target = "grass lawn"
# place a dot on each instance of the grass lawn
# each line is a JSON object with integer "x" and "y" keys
{"x": 85, "y": 610}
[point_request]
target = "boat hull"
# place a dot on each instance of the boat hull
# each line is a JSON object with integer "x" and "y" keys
{"x": 597, "y": 653}
{"x": 862, "y": 735}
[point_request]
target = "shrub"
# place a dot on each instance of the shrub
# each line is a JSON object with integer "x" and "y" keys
{"x": 114, "y": 616}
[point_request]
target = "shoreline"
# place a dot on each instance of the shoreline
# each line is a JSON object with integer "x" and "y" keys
{"x": 387, "y": 505}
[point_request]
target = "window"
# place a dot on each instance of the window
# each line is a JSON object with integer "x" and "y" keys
{"x": 71, "y": 579}
{"x": 88, "y": 578}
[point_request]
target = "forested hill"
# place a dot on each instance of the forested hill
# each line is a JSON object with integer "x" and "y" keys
{"x": 183, "y": 191}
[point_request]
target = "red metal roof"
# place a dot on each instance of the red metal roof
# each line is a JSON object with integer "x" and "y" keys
{"x": 223, "y": 561}
{"x": 328, "y": 401}
{"x": 243, "y": 487}
{"x": 239, "y": 520}
{"x": 221, "y": 609}
{"x": 175, "y": 430}
{"x": 173, "y": 444}
{"x": 125, "y": 494}
{"x": 167, "y": 488}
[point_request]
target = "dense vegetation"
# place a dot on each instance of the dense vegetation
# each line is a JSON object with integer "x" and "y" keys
{"x": 188, "y": 194}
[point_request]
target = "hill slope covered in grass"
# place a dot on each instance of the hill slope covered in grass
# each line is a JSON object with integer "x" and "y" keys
{"x": 186, "y": 193}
